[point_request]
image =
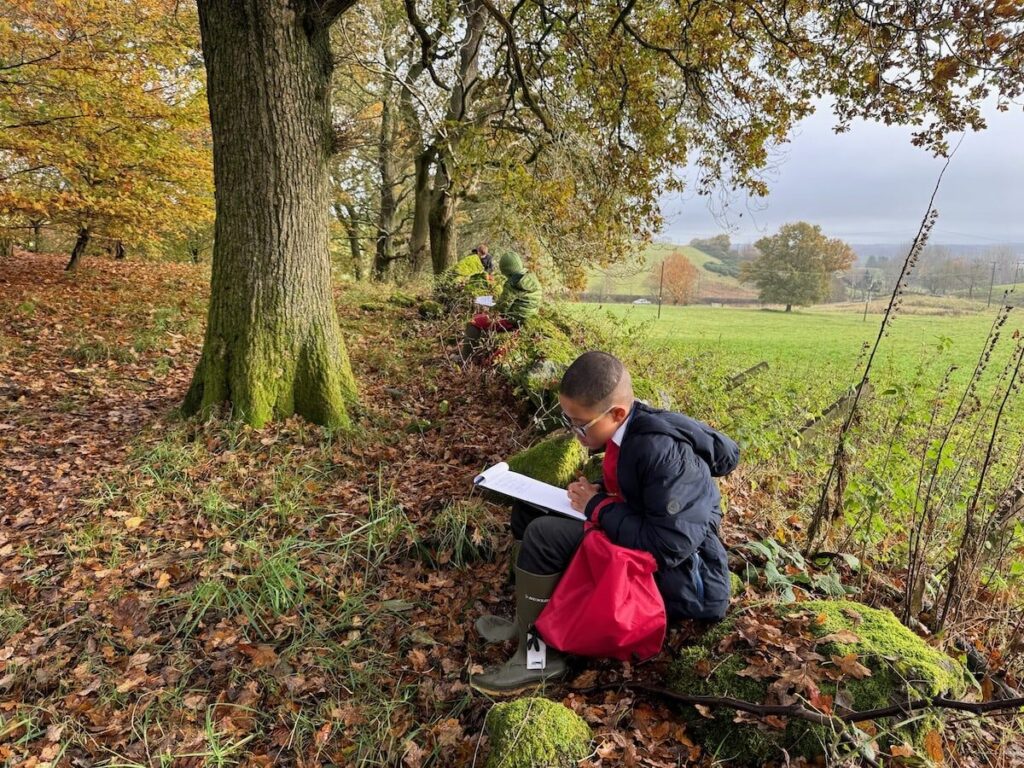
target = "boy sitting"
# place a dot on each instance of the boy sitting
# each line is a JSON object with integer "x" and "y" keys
{"x": 658, "y": 494}
{"x": 519, "y": 300}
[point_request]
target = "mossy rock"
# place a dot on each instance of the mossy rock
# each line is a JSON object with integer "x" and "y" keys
{"x": 540, "y": 383}
{"x": 550, "y": 339}
{"x": 467, "y": 267}
{"x": 431, "y": 310}
{"x": 536, "y": 733}
{"x": 901, "y": 665}
{"x": 464, "y": 280}
{"x": 556, "y": 460}
{"x": 372, "y": 306}
{"x": 402, "y": 300}
{"x": 535, "y": 358}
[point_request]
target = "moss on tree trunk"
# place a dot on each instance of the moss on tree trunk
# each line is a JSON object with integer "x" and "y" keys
{"x": 273, "y": 345}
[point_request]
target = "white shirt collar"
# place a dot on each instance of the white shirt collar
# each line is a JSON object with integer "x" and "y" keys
{"x": 621, "y": 431}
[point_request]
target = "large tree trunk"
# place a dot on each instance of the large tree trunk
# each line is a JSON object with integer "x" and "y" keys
{"x": 443, "y": 241}
{"x": 443, "y": 244}
{"x": 419, "y": 242}
{"x": 387, "y": 214}
{"x": 419, "y": 239}
{"x": 118, "y": 250}
{"x": 273, "y": 346}
{"x": 80, "y": 245}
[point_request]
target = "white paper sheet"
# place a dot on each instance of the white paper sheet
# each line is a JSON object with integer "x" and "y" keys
{"x": 501, "y": 479}
{"x": 484, "y": 301}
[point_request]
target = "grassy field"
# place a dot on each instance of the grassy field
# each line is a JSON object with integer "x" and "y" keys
{"x": 812, "y": 344}
{"x": 632, "y": 279}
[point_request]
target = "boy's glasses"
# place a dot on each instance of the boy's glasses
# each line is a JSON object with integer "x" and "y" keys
{"x": 581, "y": 429}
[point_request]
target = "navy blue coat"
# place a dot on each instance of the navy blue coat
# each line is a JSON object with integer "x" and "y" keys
{"x": 672, "y": 507}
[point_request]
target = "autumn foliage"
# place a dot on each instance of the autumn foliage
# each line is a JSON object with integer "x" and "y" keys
{"x": 680, "y": 279}
{"x": 103, "y": 120}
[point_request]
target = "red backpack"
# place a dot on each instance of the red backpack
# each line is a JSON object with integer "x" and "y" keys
{"x": 606, "y": 604}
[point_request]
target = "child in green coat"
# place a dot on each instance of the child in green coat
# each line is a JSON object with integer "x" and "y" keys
{"x": 519, "y": 300}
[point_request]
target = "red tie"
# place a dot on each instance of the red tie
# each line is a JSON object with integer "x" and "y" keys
{"x": 611, "y": 463}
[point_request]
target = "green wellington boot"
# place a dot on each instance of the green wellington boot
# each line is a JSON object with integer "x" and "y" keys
{"x": 495, "y": 629}
{"x": 514, "y": 676}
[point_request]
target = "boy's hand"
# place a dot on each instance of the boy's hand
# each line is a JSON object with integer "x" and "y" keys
{"x": 581, "y": 492}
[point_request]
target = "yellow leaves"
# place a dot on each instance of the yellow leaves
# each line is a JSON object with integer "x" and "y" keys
{"x": 993, "y": 41}
{"x": 871, "y": 77}
{"x": 945, "y": 70}
{"x": 1008, "y": 8}
{"x": 118, "y": 123}
{"x": 132, "y": 523}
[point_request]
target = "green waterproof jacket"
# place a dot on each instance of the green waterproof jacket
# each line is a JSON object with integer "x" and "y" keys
{"x": 520, "y": 299}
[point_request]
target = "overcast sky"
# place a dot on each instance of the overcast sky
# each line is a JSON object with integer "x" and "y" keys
{"x": 871, "y": 185}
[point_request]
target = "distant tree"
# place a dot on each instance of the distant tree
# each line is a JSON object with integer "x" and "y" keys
{"x": 717, "y": 246}
{"x": 103, "y": 123}
{"x": 796, "y": 265}
{"x": 680, "y": 286}
{"x": 720, "y": 248}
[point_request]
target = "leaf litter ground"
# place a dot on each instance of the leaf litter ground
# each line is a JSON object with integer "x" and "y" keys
{"x": 176, "y": 592}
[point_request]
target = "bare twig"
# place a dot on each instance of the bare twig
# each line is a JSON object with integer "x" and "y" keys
{"x": 837, "y": 721}
{"x": 927, "y": 222}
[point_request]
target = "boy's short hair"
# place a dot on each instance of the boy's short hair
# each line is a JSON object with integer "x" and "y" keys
{"x": 592, "y": 378}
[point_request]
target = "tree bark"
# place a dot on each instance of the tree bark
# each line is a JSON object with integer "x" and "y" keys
{"x": 349, "y": 220}
{"x": 37, "y": 235}
{"x": 423, "y": 153}
{"x": 119, "y": 252}
{"x": 80, "y": 245}
{"x": 387, "y": 213}
{"x": 443, "y": 240}
{"x": 419, "y": 239}
{"x": 273, "y": 345}
{"x": 789, "y": 307}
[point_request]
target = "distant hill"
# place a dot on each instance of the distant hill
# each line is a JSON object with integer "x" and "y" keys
{"x": 899, "y": 250}
{"x": 632, "y": 279}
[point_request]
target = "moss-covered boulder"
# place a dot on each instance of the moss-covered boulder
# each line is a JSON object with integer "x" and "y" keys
{"x": 556, "y": 460}
{"x": 536, "y": 733}
{"x": 430, "y": 309}
{"x": 464, "y": 280}
{"x": 837, "y": 655}
{"x": 403, "y": 300}
{"x": 535, "y": 358}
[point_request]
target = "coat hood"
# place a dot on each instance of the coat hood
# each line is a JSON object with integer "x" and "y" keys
{"x": 719, "y": 452}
